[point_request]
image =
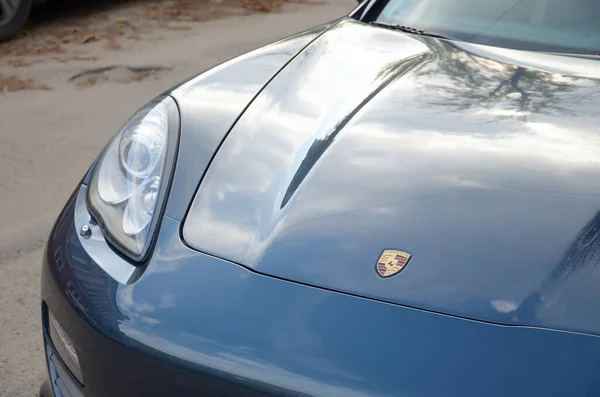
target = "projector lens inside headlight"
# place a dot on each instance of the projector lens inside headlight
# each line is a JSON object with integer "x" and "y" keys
{"x": 129, "y": 183}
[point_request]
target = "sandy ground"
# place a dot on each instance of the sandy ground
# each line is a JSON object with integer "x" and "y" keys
{"x": 61, "y": 100}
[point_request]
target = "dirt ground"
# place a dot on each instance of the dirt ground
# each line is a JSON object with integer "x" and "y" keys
{"x": 73, "y": 31}
{"x": 54, "y": 25}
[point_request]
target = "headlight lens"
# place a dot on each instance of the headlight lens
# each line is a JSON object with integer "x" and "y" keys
{"x": 130, "y": 180}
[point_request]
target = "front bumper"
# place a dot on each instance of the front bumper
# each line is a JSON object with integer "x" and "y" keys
{"x": 60, "y": 383}
{"x": 194, "y": 325}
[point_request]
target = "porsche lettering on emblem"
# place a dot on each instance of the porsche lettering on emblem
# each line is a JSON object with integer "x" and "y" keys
{"x": 391, "y": 262}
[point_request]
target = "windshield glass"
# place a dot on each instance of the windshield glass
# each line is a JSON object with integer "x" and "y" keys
{"x": 540, "y": 25}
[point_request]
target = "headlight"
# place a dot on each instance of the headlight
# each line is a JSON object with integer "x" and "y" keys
{"x": 130, "y": 180}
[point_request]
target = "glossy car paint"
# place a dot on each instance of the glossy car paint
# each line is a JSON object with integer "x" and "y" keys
{"x": 211, "y": 103}
{"x": 481, "y": 162}
{"x": 193, "y": 325}
{"x": 189, "y": 323}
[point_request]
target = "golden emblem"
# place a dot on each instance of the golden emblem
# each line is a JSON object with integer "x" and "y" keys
{"x": 391, "y": 262}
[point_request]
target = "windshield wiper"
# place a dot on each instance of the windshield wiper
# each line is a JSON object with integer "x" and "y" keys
{"x": 409, "y": 29}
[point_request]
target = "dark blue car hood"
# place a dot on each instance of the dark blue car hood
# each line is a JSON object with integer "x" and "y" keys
{"x": 482, "y": 163}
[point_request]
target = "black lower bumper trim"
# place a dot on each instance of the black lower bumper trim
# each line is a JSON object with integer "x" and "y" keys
{"x": 60, "y": 383}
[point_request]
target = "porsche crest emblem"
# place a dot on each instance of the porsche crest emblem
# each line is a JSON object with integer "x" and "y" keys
{"x": 392, "y": 262}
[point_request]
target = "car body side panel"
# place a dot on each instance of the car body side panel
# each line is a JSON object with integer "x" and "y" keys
{"x": 197, "y": 325}
{"x": 211, "y": 103}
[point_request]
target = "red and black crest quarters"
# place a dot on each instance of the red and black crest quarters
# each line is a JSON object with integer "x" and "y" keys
{"x": 391, "y": 262}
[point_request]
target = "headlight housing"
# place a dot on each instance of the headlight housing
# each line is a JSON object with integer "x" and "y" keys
{"x": 130, "y": 180}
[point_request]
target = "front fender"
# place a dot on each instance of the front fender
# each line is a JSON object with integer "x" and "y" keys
{"x": 211, "y": 103}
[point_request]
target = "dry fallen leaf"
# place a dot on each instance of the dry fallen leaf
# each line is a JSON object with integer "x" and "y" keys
{"x": 87, "y": 38}
{"x": 262, "y": 8}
